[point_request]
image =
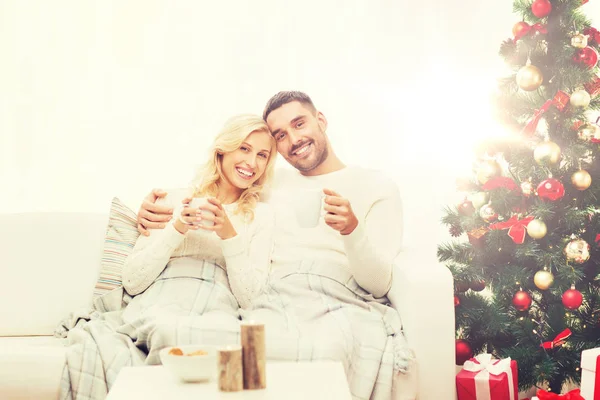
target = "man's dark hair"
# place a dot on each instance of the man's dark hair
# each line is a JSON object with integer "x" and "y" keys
{"x": 282, "y": 98}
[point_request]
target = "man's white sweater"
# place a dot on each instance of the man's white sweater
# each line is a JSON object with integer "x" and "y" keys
{"x": 368, "y": 251}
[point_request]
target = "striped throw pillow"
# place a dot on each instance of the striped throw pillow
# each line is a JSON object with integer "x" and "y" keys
{"x": 120, "y": 238}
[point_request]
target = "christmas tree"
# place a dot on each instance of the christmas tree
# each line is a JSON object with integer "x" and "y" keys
{"x": 526, "y": 258}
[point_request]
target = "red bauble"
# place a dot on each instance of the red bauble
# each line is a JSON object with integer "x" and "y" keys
{"x": 520, "y": 29}
{"x": 521, "y": 300}
{"x": 551, "y": 189}
{"x": 541, "y": 8}
{"x": 478, "y": 286}
{"x": 461, "y": 286}
{"x": 466, "y": 208}
{"x": 456, "y": 301}
{"x": 463, "y": 351}
{"x": 572, "y": 299}
{"x": 588, "y": 57}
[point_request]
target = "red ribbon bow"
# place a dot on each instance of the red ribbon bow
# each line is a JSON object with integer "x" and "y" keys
{"x": 516, "y": 228}
{"x": 540, "y": 28}
{"x": 559, "y": 340}
{"x": 559, "y": 100}
{"x": 572, "y": 395}
{"x": 597, "y": 238}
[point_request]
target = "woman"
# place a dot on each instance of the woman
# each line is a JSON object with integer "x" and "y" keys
{"x": 243, "y": 156}
{"x": 209, "y": 259}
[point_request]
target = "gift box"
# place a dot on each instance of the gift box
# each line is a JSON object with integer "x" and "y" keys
{"x": 590, "y": 379}
{"x": 484, "y": 378}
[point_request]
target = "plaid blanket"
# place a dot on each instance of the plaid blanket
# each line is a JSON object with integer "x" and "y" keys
{"x": 310, "y": 311}
{"x": 108, "y": 338}
{"x": 318, "y": 312}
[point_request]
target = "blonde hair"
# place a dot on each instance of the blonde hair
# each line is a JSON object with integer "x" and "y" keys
{"x": 230, "y": 138}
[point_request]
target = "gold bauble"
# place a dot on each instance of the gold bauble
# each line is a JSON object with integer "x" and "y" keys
{"x": 589, "y": 132}
{"x": 578, "y": 251}
{"x": 580, "y": 98}
{"x": 580, "y": 41}
{"x": 543, "y": 280}
{"x": 487, "y": 170}
{"x": 537, "y": 229}
{"x": 581, "y": 179}
{"x": 480, "y": 198}
{"x": 529, "y": 78}
{"x": 547, "y": 153}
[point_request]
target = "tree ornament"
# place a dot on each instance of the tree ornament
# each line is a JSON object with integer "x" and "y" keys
{"x": 455, "y": 230}
{"x": 543, "y": 279}
{"x": 487, "y": 170}
{"x": 593, "y": 35}
{"x": 541, "y": 8}
{"x": 520, "y": 29}
{"x": 581, "y": 179}
{"x": 487, "y": 213}
{"x": 587, "y": 57}
{"x": 479, "y": 199}
{"x": 477, "y": 237}
{"x": 537, "y": 229}
{"x": 572, "y": 298}
{"x": 529, "y": 77}
{"x": 547, "y": 153}
{"x": 460, "y": 286}
{"x": 456, "y": 301}
{"x": 478, "y": 286}
{"x": 577, "y": 251}
{"x": 466, "y": 208}
{"x": 550, "y": 189}
{"x": 589, "y": 133}
{"x": 579, "y": 40}
{"x": 521, "y": 300}
{"x": 527, "y": 188}
{"x": 580, "y": 98}
{"x": 463, "y": 351}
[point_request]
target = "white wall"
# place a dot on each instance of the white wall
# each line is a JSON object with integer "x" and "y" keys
{"x": 103, "y": 98}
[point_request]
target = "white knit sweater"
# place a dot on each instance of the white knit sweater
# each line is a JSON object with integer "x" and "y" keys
{"x": 369, "y": 251}
{"x": 245, "y": 257}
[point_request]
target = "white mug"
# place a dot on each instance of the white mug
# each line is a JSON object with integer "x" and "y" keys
{"x": 200, "y": 201}
{"x": 308, "y": 205}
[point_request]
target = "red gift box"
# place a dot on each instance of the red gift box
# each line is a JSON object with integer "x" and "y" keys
{"x": 483, "y": 378}
{"x": 590, "y": 374}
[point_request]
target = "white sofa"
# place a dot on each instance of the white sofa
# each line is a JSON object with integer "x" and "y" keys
{"x": 50, "y": 262}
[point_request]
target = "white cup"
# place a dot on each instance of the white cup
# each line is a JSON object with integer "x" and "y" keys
{"x": 308, "y": 205}
{"x": 200, "y": 201}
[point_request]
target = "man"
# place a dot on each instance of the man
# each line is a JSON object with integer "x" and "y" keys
{"x": 325, "y": 298}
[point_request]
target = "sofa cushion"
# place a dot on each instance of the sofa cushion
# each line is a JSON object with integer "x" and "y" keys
{"x": 121, "y": 235}
{"x": 31, "y": 367}
{"x": 49, "y": 263}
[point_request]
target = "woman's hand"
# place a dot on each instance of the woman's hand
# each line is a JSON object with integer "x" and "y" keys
{"x": 188, "y": 217}
{"x": 222, "y": 225}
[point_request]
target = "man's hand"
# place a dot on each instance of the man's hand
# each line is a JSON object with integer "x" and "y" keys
{"x": 339, "y": 213}
{"x": 151, "y": 215}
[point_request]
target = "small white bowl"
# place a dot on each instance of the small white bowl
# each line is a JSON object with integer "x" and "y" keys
{"x": 197, "y": 368}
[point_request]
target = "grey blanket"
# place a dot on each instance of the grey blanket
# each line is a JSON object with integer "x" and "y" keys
{"x": 109, "y": 338}
{"x": 310, "y": 311}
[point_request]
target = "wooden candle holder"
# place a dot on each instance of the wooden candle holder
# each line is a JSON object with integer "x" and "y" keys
{"x": 253, "y": 355}
{"x": 229, "y": 369}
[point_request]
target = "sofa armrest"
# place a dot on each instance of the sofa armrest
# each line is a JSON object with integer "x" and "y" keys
{"x": 422, "y": 292}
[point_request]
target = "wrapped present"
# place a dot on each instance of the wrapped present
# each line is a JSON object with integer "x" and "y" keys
{"x": 484, "y": 378}
{"x": 590, "y": 374}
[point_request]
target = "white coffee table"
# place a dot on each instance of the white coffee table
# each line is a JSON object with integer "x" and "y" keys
{"x": 319, "y": 380}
